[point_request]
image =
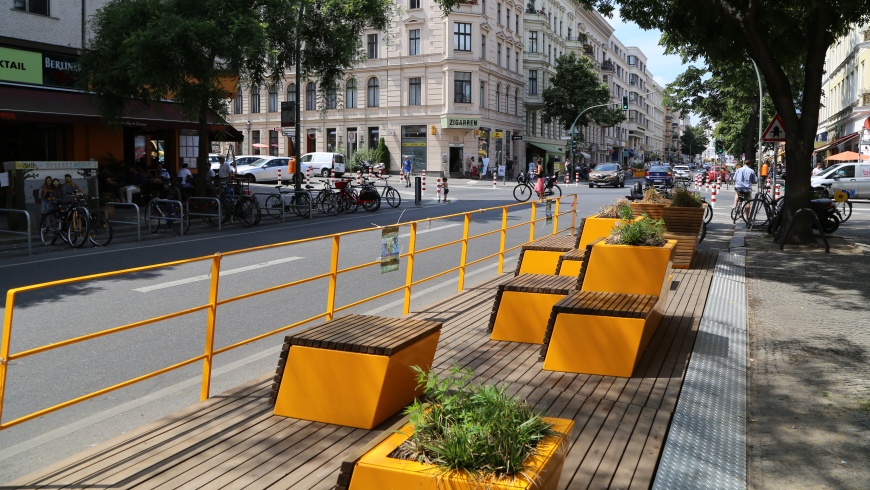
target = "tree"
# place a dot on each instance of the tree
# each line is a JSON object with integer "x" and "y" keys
{"x": 694, "y": 140}
{"x": 577, "y": 89}
{"x": 779, "y": 37}
{"x": 152, "y": 50}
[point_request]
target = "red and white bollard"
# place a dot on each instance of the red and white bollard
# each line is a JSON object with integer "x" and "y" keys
{"x": 308, "y": 176}
{"x": 379, "y": 172}
{"x": 279, "y": 176}
{"x": 567, "y": 180}
{"x": 401, "y": 173}
{"x": 576, "y": 179}
{"x": 423, "y": 183}
{"x": 358, "y": 178}
{"x": 332, "y": 176}
{"x": 438, "y": 189}
{"x": 776, "y": 193}
{"x": 494, "y": 179}
{"x": 713, "y": 199}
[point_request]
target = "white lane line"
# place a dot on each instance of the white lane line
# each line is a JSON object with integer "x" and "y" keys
{"x": 430, "y": 230}
{"x": 205, "y": 277}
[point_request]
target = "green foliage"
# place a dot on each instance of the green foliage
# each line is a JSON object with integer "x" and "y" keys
{"x": 642, "y": 232}
{"x": 682, "y": 198}
{"x": 361, "y": 155}
{"x": 694, "y": 140}
{"x": 619, "y": 209}
{"x": 384, "y": 155}
{"x": 467, "y": 426}
{"x": 575, "y": 88}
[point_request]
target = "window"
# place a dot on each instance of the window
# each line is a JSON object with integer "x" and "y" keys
{"x": 517, "y": 61}
{"x": 291, "y": 94}
{"x": 373, "y": 93}
{"x": 237, "y": 104}
{"x": 462, "y": 87}
{"x": 33, "y": 6}
{"x": 373, "y": 46}
{"x": 507, "y": 21}
{"x": 517, "y": 22}
{"x": 462, "y": 36}
{"x": 533, "y": 82}
{"x": 414, "y": 4}
{"x": 498, "y": 54}
{"x": 255, "y": 140}
{"x": 533, "y": 41}
{"x": 507, "y": 59}
{"x": 273, "y": 143}
{"x": 507, "y": 91}
{"x": 310, "y": 97}
{"x": 331, "y": 98}
{"x": 350, "y": 94}
{"x": 483, "y": 47}
{"x": 632, "y": 60}
{"x": 414, "y": 42}
{"x": 415, "y": 91}
{"x": 255, "y": 100}
{"x": 498, "y": 98}
{"x": 482, "y": 94}
{"x": 273, "y": 98}
{"x": 498, "y": 13}
{"x": 516, "y": 102}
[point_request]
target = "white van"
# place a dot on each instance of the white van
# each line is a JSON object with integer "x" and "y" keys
{"x": 852, "y": 178}
{"x": 323, "y": 163}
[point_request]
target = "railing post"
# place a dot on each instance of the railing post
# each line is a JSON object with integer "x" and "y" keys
{"x": 464, "y": 255}
{"x": 574, "y": 216}
{"x": 333, "y": 278}
{"x": 209, "y": 328}
{"x": 4, "y": 345}
{"x": 556, "y": 216}
{"x": 504, "y": 216}
{"x": 532, "y": 222}
{"x": 409, "y": 275}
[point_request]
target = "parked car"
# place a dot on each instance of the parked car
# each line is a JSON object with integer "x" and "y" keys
{"x": 240, "y": 160}
{"x": 263, "y": 170}
{"x": 323, "y": 163}
{"x": 607, "y": 174}
{"x": 852, "y": 178}
{"x": 659, "y": 175}
{"x": 682, "y": 172}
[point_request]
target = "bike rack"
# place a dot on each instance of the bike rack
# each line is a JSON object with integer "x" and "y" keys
{"x": 125, "y": 205}
{"x": 217, "y": 216}
{"x": 26, "y": 233}
{"x": 816, "y": 224}
{"x": 269, "y": 194}
{"x": 164, "y": 218}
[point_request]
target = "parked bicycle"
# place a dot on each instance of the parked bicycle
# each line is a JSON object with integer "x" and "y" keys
{"x": 235, "y": 203}
{"x": 297, "y": 202}
{"x": 390, "y": 193}
{"x": 74, "y": 224}
{"x": 525, "y": 189}
{"x": 350, "y": 199}
{"x": 325, "y": 200}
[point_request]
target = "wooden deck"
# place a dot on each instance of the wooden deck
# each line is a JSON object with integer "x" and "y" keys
{"x": 233, "y": 440}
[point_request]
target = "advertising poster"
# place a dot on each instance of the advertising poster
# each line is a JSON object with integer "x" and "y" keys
{"x": 549, "y": 212}
{"x": 389, "y": 249}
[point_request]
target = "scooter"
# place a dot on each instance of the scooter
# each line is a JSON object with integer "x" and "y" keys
{"x": 824, "y": 209}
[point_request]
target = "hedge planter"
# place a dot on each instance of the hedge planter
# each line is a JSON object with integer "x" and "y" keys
{"x": 375, "y": 470}
{"x": 594, "y": 227}
{"x": 683, "y": 220}
{"x": 654, "y": 211}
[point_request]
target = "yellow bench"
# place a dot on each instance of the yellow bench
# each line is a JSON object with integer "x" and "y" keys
{"x": 605, "y": 327}
{"x": 354, "y": 370}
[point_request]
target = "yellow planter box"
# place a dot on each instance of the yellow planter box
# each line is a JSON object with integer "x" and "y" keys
{"x": 594, "y": 228}
{"x": 377, "y": 471}
{"x": 629, "y": 269}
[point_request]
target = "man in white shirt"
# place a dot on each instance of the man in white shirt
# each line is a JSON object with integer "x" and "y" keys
{"x": 185, "y": 177}
{"x": 225, "y": 170}
{"x": 818, "y": 169}
{"x": 744, "y": 177}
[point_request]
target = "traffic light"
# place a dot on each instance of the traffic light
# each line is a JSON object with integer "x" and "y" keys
{"x": 719, "y": 147}
{"x": 625, "y": 103}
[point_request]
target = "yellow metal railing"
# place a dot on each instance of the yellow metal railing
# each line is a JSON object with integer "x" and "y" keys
{"x": 213, "y": 302}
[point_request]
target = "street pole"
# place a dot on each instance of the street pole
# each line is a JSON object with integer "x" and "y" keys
{"x": 297, "y": 147}
{"x": 760, "y": 115}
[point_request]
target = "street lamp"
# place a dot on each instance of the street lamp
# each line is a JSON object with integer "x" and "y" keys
{"x": 248, "y": 128}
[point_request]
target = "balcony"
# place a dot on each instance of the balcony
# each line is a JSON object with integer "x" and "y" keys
{"x": 608, "y": 66}
{"x": 865, "y": 36}
{"x": 587, "y": 49}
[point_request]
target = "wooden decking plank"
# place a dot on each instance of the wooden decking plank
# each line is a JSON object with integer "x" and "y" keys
{"x": 595, "y": 454}
{"x": 592, "y": 415}
{"x": 612, "y": 458}
{"x": 645, "y": 470}
{"x": 633, "y": 451}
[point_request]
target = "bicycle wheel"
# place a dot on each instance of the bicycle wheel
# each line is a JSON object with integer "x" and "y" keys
{"x": 77, "y": 229}
{"x": 348, "y": 201}
{"x": 522, "y": 192}
{"x": 329, "y": 203}
{"x": 703, "y": 232}
{"x": 273, "y": 206}
{"x": 830, "y": 224}
{"x": 49, "y": 228}
{"x": 735, "y": 211}
{"x": 152, "y": 212}
{"x": 844, "y": 210}
{"x": 301, "y": 205}
{"x": 248, "y": 212}
{"x": 212, "y": 207}
{"x": 554, "y": 191}
{"x": 708, "y": 214}
{"x": 759, "y": 213}
{"x": 99, "y": 231}
{"x": 372, "y": 205}
{"x": 394, "y": 199}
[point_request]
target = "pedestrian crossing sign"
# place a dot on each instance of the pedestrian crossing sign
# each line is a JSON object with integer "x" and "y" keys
{"x": 774, "y": 131}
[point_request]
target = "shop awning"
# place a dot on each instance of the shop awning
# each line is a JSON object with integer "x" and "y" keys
{"x": 549, "y": 148}
{"x": 632, "y": 153}
{"x": 70, "y": 106}
{"x": 585, "y": 155}
{"x": 831, "y": 145}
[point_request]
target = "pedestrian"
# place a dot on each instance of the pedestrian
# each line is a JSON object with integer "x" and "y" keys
{"x": 509, "y": 170}
{"x": 765, "y": 169}
{"x": 225, "y": 170}
{"x": 568, "y": 168}
{"x": 406, "y": 169}
{"x": 46, "y": 196}
{"x": 185, "y": 176}
{"x": 539, "y": 173}
{"x": 69, "y": 187}
{"x": 445, "y": 189}
{"x": 818, "y": 169}
{"x": 744, "y": 177}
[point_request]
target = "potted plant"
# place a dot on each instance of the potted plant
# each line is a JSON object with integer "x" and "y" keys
{"x": 467, "y": 435}
{"x": 651, "y": 205}
{"x": 638, "y": 169}
{"x": 685, "y": 214}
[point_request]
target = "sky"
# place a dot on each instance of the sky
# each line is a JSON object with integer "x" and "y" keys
{"x": 665, "y": 68}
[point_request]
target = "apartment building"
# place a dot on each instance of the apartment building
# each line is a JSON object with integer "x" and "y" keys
{"x": 447, "y": 91}
{"x": 843, "y": 116}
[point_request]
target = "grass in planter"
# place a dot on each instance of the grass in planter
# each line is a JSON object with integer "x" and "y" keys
{"x": 649, "y": 232}
{"x": 480, "y": 429}
{"x": 682, "y": 198}
{"x": 652, "y": 196}
{"x": 619, "y": 209}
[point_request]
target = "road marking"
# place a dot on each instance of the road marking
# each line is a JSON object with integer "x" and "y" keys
{"x": 430, "y": 230}
{"x": 205, "y": 277}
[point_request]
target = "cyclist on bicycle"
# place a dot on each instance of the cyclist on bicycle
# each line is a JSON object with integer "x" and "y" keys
{"x": 744, "y": 177}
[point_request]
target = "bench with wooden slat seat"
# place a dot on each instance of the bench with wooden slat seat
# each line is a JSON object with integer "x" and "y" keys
{"x": 571, "y": 262}
{"x": 354, "y": 370}
{"x": 604, "y": 328}
{"x": 523, "y": 304}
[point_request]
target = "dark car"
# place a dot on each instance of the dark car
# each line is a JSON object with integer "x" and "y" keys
{"x": 659, "y": 175}
{"x": 607, "y": 174}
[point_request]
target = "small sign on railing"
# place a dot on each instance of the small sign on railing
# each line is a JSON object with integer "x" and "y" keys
{"x": 389, "y": 249}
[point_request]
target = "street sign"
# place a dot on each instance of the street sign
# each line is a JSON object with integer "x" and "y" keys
{"x": 566, "y": 138}
{"x": 516, "y": 137}
{"x": 774, "y": 131}
{"x": 289, "y": 131}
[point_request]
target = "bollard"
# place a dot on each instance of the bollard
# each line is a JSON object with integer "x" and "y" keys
{"x": 423, "y": 183}
{"x": 402, "y": 172}
{"x": 379, "y": 172}
{"x": 713, "y": 199}
{"x": 370, "y": 172}
{"x": 358, "y": 178}
{"x": 332, "y": 176}
{"x": 438, "y": 189}
{"x": 494, "y": 179}
{"x": 567, "y": 180}
{"x": 308, "y": 175}
{"x": 776, "y": 193}
{"x": 576, "y": 179}
{"x": 279, "y": 176}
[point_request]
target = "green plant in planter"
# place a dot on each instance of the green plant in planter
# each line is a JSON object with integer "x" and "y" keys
{"x": 479, "y": 429}
{"x": 648, "y": 232}
{"x": 619, "y": 209}
{"x": 682, "y": 198}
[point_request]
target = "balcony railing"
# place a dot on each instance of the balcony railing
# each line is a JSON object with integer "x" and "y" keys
{"x": 608, "y": 66}
{"x": 587, "y": 49}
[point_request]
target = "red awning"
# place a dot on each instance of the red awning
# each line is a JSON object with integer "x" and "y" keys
{"x": 68, "y": 106}
{"x": 835, "y": 143}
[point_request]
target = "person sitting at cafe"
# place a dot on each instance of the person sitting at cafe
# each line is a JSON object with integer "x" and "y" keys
{"x": 69, "y": 188}
{"x": 185, "y": 177}
{"x": 134, "y": 182}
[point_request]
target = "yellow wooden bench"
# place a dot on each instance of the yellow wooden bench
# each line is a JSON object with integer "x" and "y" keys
{"x": 684, "y": 226}
{"x": 605, "y": 327}
{"x": 354, "y": 370}
{"x": 542, "y": 256}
